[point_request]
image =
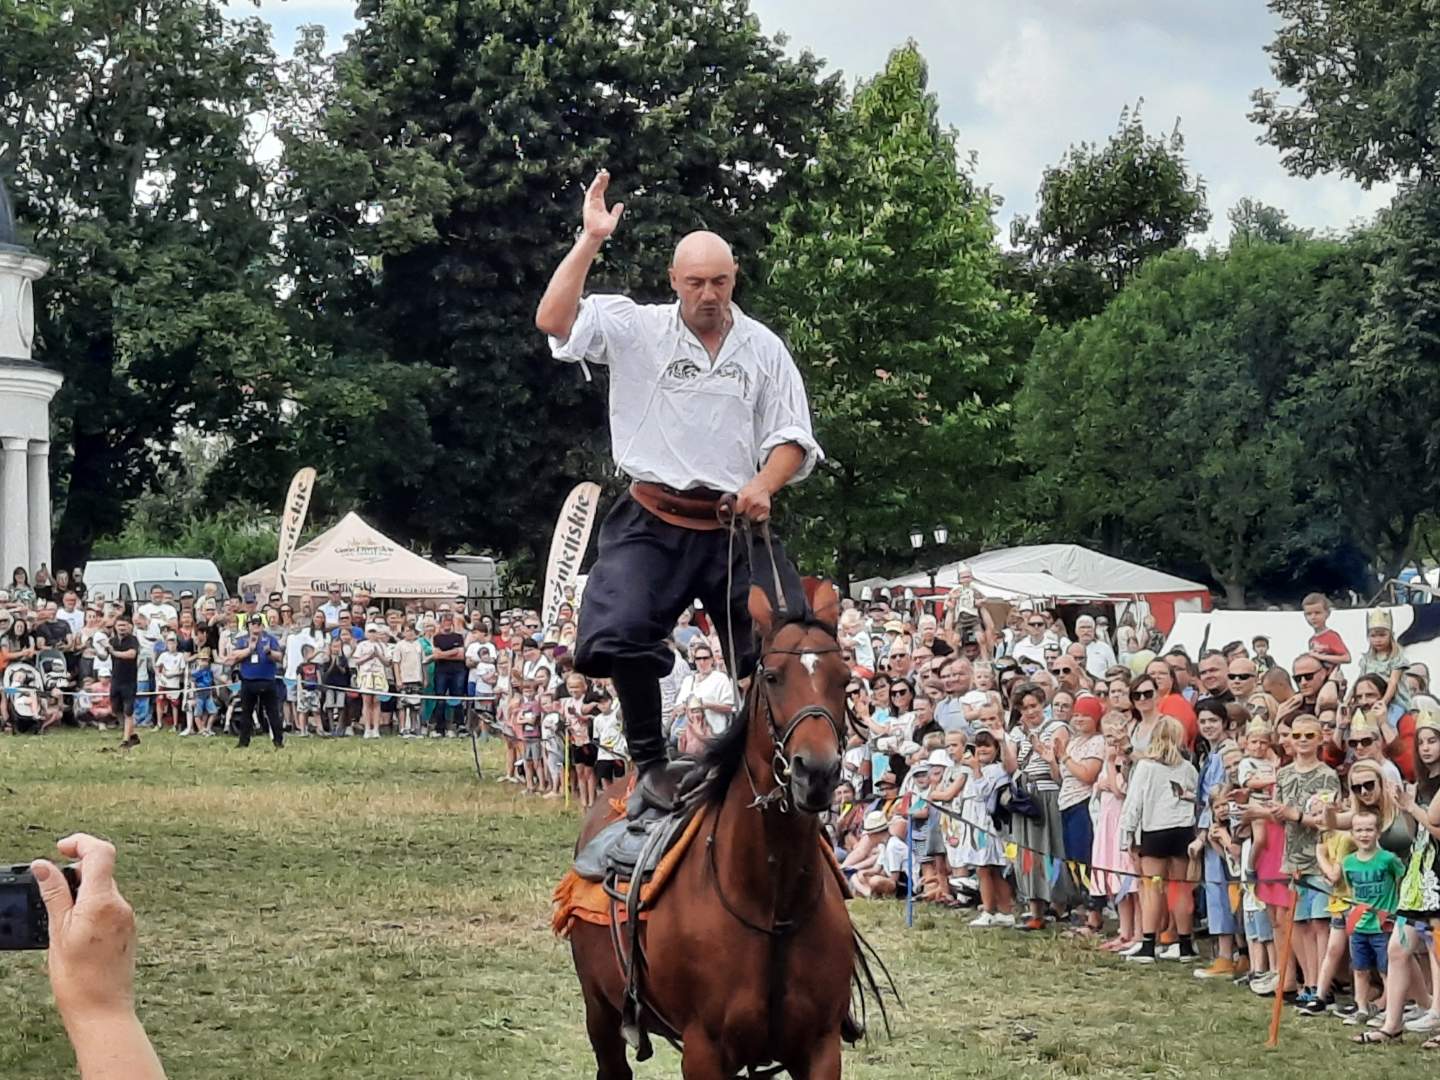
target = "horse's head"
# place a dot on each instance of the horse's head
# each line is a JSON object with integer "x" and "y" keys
{"x": 801, "y": 683}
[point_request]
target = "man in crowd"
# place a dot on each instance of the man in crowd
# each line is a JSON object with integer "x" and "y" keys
{"x": 256, "y": 654}
{"x": 1244, "y": 677}
{"x": 449, "y": 658}
{"x": 158, "y": 610}
{"x": 957, "y": 678}
{"x": 333, "y": 607}
{"x": 122, "y": 650}
{"x": 711, "y": 687}
{"x": 1215, "y": 676}
{"x": 1031, "y": 647}
{"x": 1099, "y": 657}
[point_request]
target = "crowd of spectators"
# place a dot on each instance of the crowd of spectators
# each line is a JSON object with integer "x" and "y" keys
{"x": 1046, "y": 774}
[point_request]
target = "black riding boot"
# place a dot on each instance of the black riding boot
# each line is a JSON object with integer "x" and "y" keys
{"x": 639, "y": 693}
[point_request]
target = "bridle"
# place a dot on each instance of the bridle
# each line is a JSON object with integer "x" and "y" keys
{"x": 779, "y": 795}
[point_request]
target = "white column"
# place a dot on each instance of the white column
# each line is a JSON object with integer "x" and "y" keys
{"x": 38, "y": 503}
{"x": 14, "y": 507}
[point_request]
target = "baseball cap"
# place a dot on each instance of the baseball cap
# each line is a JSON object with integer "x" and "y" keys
{"x": 256, "y": 618}
{"x": 894, "y": 626}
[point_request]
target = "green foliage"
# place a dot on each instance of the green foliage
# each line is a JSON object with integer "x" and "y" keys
{"x": 438, "y": 166}
{"x": 882, "y": 275}
{"x": 1102, "y": 212}
{"x": 1179, "y": 420}
{"x": 126, "y": 131}
{"x": 1367, "y": 79}
{"x": 235, "y": 537}
{"x": 1253, "y": 222}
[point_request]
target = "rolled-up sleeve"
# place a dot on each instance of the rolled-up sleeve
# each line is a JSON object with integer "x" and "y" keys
{"x": 782, "y": 415}
{"x": 602, "y": 326}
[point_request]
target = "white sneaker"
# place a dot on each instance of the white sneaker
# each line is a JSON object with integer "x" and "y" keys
{"x": 1424, "y": 1023}
{"x": 1001, "y": 918}
{"x": 182, "y": 734}
{"x": 1264, "y": 983}
{"x": 436, "y": 735}
{"x": 1133, "y": 948}
{"x": 1168, "y": 952}
{"x": 985, "y": 921}
{"x": 1137, "y": 958}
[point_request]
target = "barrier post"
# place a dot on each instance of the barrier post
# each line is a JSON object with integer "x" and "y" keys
{"x": 1282, "y": 968}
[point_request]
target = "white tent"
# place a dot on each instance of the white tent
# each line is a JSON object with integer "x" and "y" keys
{"x": 1006, "y": 585}
{"x": 354, "y": 556}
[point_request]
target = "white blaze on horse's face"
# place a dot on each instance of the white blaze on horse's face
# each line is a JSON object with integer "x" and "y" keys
{"x": 808, "y": 661}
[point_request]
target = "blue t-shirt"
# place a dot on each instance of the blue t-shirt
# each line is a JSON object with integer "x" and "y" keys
{"x": 355, "y": 632}
{"x": 259, "y": 664}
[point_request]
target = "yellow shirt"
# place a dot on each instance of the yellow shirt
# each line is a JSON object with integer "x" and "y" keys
{"x": 1337, "y": 845}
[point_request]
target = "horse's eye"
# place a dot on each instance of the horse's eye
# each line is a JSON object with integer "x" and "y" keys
{"x": 770, "y": 675}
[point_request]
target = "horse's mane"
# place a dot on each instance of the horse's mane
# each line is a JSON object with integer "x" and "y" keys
{"x": 716, "y": 766}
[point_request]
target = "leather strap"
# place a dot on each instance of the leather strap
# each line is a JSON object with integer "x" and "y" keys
{"x": 674, "y": 508}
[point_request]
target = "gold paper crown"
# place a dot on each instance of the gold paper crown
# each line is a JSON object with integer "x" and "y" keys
{"x": 1360, "y": 724}
{"x": 1379, "y": 618}
{"x": 1428, "y": 718}
{"x": 1257, "y": 727}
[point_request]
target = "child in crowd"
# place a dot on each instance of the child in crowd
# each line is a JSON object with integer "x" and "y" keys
{"x": 170, "y": 668}
{"x": 1385, "y": 658}
{"x": 577, "y": 712}
{"x": 1373, "y": 876}
{"x": 336, "y": 678}
{"x": 609, "y": 736}
{"x": 410, "y": 668}
{"x": 1303, "y": 788}
{"x": 526, "y": 719}
{"x": 307, "y": 693}
{"x": 200, "y": 707}
{"x": 1108, "y": 861}
{"x": 553, "y": 743}
{"x": 1330, "y": 852}
{"x": 980, "y": 845}
{"x": 1263, "y": 660}
{"x": 1325, "y": 644}
{"x": 85, "y": 703}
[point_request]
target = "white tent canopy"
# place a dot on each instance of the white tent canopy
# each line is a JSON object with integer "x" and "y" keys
{"x": 1059, "y": 570}
{"x": 354, "y": 556}
{"x": 1006, "y": 585}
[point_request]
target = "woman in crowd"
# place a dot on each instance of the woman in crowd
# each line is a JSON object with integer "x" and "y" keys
{"x": 1145, "y": 712}
{"x": 1080, "y": 764}
{"x": 21, "y": 592}
{"x": 1032, "y": 749}
{"x": 1212, "y": 745}
{"x": 1108, "y": 860}
{"x": 1158, "y": 825}
{"x": 1419, "y": 898}
{"x": 368, "y": 660}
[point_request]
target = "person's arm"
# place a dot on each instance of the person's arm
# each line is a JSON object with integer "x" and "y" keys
{"x": 561, "y": 303}
{"x": 1329, "y": 869}
{"x": 1133, "y": 811}
{"x": 92, "y": 965}
{"x": 1086, "y": 770}
{"x": 753, "y": 500}
{"x": 1009, "y": 757}
{"x": 1391, "y": 685}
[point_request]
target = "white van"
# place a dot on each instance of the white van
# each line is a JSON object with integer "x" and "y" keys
{"x": 131, "y": 579}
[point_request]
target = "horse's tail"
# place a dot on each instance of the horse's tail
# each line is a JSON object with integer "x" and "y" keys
{"x": 865, "y": 986}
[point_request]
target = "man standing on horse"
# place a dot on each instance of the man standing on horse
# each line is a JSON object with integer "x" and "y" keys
{"x": 704, "y": 402}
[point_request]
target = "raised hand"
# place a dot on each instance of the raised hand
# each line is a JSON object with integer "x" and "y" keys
{"x": 600, "y": 222}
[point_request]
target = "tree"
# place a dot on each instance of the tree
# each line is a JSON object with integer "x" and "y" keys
{"x": 1367, "y": 73}
{"x": 1179, "y": 412}
{"x": 882, "y": 274}
{"x": 127, "y": 130}
{"x": 1101, "y": 213}
{"x": 1253, "y": 222}
{"x": 438, "y": 183}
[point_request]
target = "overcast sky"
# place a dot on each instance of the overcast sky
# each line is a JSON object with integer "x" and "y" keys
{"x": 1020, "y": 80}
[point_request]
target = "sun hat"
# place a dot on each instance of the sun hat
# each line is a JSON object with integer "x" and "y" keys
{"x": 876, "y": 821}
{"x": 940, "y": 758}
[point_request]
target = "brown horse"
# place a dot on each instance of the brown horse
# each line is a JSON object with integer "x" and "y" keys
{"x": 750, "y": 951}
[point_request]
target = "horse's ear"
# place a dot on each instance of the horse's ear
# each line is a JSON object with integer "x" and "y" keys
{"x": 826, "y": 604}
{"x": 761, "y": 613}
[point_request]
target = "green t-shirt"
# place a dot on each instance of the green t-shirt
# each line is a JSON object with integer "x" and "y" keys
{"x": 1374, "y": 881}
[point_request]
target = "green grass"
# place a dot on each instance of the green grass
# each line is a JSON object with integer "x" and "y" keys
{"x": 362, "y": 909}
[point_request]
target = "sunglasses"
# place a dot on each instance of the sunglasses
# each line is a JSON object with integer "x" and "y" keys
{"x": 1305, "y": 735}
{"x": 852, "y": 691}
{"x": 699, "y": 658}
{"x": 1364, "y": 788}
{"x": 1142, "y": 695}
{"x": 1063, "y": 670}
{"x": 1039, "y": 624}
{"x": 1357, "y": 744}
{"x": 901, "y": 690}
{"x": 1306, "y": 675}
{"x": 1241, "y": 676}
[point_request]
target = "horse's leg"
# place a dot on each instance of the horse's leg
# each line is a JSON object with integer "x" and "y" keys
{"x": 823, "y": 1062}
{"x": 702, "y": 1059}
{"x": 602, "y": 1021}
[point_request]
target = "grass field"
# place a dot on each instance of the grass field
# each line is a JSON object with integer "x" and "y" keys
{"x": 352, "y": 909}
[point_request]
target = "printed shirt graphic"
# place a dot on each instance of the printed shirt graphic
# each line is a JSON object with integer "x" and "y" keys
{"x": 1374, "y": 881}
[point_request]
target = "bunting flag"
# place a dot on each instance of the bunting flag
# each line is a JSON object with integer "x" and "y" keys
{"x": 980, "y": 840}
{"x": 1235, "y": 896}
{"x": 1085, "y": 877}
{"x": 1052, "y": 870}
{"x": 1011, "y": 851}
{"x": 1027, "y": 861}
{"x": 1354, "y": 915}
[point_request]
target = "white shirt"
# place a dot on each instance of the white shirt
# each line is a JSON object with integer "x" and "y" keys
{"x": 73, "y": 619}
{"x": 297, "y": 641}
{"x": 676, "y": 417}
{"x": 163, "y": 612}
{"x": 1025, "y": 649}
{"x": 713, "y": 689}
{"x": 1099, "y": 658}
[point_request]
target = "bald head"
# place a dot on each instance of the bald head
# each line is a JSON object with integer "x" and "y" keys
{"x": 702, "y": 273}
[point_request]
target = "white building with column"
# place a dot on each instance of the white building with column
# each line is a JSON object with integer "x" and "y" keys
{"x": 26, "y": 387}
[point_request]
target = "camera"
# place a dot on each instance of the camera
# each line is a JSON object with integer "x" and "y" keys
{"x": 24, "y": 923}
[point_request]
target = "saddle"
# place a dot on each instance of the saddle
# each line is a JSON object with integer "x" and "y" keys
{"x": 628, "y": 850}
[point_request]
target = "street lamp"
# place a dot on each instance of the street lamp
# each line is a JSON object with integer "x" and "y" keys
{"x": 941, "y": 535}
{"x": 917, "y": 537}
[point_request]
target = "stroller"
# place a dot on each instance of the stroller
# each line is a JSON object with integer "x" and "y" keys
{"x": 25, "y": 698}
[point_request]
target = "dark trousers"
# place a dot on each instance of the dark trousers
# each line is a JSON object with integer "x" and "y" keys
{"x": 263, "y": 693}
{"x": 646, "y": 574}
{"x": 449, "y": 684}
